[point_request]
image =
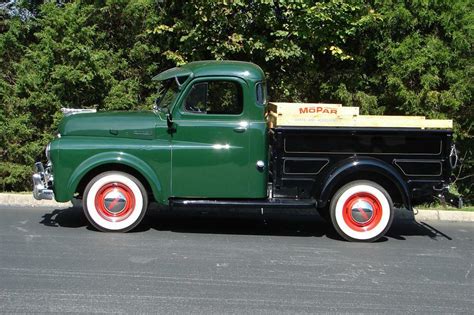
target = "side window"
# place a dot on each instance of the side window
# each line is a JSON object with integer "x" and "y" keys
{"x": 261, "y": 92}
{"x": 197, "y": 98}
{"x": 215, "y": 97}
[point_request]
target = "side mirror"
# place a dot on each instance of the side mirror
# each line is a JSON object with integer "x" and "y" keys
{"x": 169, "y": 122}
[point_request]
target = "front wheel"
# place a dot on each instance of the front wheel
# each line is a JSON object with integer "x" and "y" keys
{"x": 115, "y": 202}
{"x": 361, "y": 211}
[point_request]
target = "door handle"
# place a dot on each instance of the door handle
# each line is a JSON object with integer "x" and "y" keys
{"x": 240, "y": 129}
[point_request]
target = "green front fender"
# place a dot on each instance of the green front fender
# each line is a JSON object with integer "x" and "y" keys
{"x": 121, "y": 158}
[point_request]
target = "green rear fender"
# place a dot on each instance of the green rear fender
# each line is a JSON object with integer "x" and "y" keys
{"x": 105, "y": 158}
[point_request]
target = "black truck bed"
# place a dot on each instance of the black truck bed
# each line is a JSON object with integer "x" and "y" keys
{"x": 305, "y": 159}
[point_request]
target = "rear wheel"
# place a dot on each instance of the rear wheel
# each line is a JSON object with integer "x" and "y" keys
{"x": 361, "y": 211}
{"x": 115, "y": 202}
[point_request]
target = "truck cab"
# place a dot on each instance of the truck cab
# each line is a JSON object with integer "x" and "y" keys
{"x": 217, "y": 129}
{"x": 208, "y": 143}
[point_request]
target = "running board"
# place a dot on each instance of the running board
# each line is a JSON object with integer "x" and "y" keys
{"x": 266, "y": 204}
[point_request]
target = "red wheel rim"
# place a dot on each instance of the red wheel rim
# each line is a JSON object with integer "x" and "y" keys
{"x": 362, "y": 212}
{"x": 115, "y": 202}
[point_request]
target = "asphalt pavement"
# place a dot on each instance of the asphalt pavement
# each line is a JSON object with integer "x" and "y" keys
{"x": 52, "y": 261}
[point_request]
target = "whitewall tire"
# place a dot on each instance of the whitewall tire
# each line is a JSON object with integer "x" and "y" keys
{"x": 115, "y": 202}
{"x": 361, "y": 211}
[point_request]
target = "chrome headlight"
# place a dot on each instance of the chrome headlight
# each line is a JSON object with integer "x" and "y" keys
{"x": 47, "y": 151}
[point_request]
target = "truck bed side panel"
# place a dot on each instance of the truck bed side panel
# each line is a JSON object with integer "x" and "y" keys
{"x": 303, "y": 157}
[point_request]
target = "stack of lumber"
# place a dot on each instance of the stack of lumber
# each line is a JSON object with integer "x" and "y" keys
{"x": 336, "y": 115}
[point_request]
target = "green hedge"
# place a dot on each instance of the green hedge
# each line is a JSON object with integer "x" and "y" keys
{"x": 392, "y": 57}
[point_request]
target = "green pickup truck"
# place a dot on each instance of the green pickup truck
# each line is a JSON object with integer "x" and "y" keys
{"x": 207, "y": 144}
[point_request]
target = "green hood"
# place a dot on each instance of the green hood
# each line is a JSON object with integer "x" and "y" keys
{"x": 135, "y": 125}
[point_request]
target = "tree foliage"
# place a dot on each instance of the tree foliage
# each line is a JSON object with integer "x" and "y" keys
{"x": 392, "y": 57}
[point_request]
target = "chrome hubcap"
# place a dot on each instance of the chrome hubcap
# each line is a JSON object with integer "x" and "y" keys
{"x": 115, "y": 201}
{"x": 362, "y": 211}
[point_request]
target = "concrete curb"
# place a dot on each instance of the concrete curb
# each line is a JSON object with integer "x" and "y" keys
{"x": 445, "y": 215}
{"x": 27, "y": 200}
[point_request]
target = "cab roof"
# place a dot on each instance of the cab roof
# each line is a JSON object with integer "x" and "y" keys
{"x": 241, "y": 69}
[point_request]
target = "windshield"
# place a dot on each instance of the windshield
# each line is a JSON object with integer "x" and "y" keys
{"x": 167, "y": 93}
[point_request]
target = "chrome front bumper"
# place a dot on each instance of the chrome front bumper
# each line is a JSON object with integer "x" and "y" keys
{"x": 42, "y": 182}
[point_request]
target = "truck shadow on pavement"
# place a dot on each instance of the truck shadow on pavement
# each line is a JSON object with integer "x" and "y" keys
{"x": 70, "y": 218}
{"x": 241, "y": 224}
